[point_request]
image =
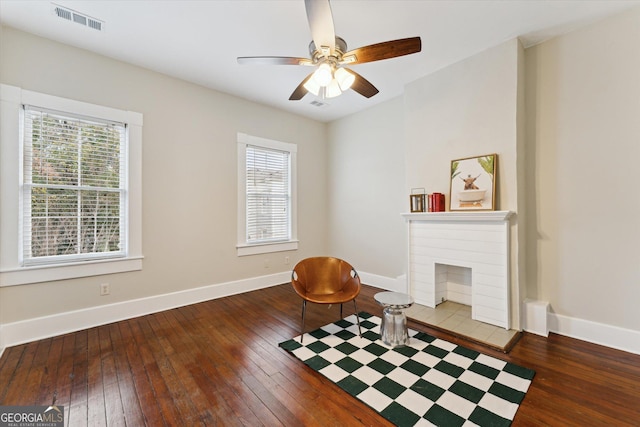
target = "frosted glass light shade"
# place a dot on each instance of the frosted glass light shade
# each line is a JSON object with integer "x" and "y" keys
{"x": 312, "y": 86}
{"x": 345, "y": 78}
{"x": 323, "y": 75}
{"x": 333, "y": 89}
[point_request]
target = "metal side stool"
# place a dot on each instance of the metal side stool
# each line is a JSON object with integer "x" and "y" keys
{"x": 393, "y": 329}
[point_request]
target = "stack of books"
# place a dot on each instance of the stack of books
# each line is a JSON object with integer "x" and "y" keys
{"x": 435, "y": 202}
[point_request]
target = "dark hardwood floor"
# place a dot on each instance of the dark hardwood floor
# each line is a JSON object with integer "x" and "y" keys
{"x": 218, "y": 363}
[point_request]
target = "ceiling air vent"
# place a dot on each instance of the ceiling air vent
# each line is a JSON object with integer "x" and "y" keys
{"x": 78, "y": 18}
{"x": 96, "y": 25}
{"x": 63, "y": 13}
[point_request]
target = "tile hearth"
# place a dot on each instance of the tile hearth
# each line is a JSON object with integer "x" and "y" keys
{"x": 456, "y": 318}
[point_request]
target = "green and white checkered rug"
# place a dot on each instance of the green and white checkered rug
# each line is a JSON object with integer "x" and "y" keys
{"x": 429, "y": 382}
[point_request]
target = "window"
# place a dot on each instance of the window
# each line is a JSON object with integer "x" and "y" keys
{"x": 71, "y": 201}
{"x": 74, "y": 188}
{"x": 266, "y": 195}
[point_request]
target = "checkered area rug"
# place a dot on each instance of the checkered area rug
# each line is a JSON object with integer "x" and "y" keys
{"x": 429, "y": 382}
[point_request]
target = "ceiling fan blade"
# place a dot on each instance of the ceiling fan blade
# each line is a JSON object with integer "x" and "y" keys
{"x": 321, "y": 24}
{"x": 384, "y": 50}
{"x": 363, "y": 86}
{"x": 300, "y": 91}
{"x": 273, "y": 60}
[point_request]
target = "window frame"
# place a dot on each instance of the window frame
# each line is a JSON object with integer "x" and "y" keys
{"x": 244, "y": 247}
{"x": 12, "y": 272}
{"x": 29, "y": 112}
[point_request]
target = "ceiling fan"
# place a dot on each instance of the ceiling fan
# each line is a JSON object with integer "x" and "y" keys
{"x": 329, "y": 54}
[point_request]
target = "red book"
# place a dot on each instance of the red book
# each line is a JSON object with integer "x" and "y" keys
{"x": 438, "y": 202}
{"x": 430, "y": 202}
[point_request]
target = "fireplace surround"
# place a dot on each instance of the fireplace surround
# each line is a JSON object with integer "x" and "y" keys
{"x": 463, "y": 257}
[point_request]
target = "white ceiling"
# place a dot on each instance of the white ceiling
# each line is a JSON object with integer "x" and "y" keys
{"x": 199, "y": 41}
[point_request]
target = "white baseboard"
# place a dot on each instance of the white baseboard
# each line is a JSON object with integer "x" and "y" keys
{"x": 541, "y": 322}
{"x": 398, "y": 284}
{"x": 48, "y": 326}
{"x": 598, "y": 333}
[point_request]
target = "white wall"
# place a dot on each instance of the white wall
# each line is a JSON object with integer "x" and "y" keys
{"x": 468, "y": 109}
{"x": 583, "y": 139}
{"x": 366, "y": 187}
{"x": 582, "y": 110}
{"x": 568, "y": 151}
{"x": 189, "y": 176}
{"x": 471, "y": 108}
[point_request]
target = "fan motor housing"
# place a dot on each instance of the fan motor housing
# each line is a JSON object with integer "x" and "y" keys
{"x": 317, "y": 55}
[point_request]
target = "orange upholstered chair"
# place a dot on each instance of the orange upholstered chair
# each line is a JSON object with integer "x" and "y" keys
{"x": 325, "y": 280}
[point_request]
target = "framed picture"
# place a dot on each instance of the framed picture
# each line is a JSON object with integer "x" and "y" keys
{"x": 473, "y": 183}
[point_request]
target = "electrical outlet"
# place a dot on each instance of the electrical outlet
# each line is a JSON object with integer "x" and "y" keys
{"x": 286, "y": 260}
{"x": 104, "y": 289}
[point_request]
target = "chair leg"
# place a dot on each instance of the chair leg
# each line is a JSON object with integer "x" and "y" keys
{"x": 355, "y": 306}
{"x": 341, "y": 312}
{"x": 304, "y": 309}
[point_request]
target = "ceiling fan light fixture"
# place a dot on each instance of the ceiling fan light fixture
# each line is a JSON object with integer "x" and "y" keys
{"x": 344, "y": 78}
{"x": 333, "y": 89}
{"x": 312, "y": 86}
{"x": 329, "y": 53}
{"x": 323, "y": 75}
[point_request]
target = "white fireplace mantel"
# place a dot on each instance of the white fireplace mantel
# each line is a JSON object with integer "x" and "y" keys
{"x": 459, "y": 216}
{"x": 473, "y": 244}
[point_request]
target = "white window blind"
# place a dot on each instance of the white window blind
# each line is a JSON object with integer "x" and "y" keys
{"x": 74, "y": 184}
{"x": 268, "y": 195}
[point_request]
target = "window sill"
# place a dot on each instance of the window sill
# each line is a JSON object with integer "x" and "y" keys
{"x": 49, "y": 273}
{"x": 265, "y": 248}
